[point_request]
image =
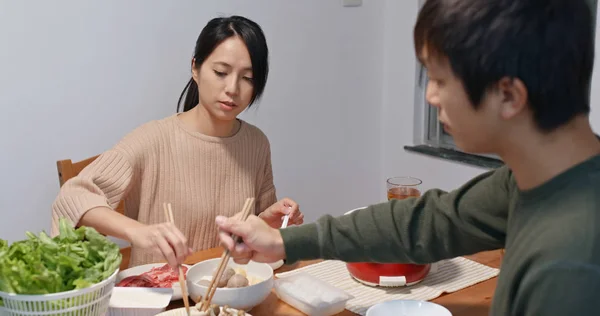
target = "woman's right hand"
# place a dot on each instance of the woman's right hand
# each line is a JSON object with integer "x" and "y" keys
{"x": 163, "y": 239}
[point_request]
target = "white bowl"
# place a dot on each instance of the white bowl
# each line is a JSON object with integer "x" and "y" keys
{"x": 244, "y": 298}
{"x": 408, "y": 308}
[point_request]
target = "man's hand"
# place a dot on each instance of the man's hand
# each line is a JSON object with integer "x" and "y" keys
{"x": 261, "y": 243}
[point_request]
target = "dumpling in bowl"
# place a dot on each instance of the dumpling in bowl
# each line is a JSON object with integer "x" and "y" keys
{"x": 227, "y": 274}
{"x": 253, "y": 280}
{"x": 204, "y": 282}
{"x": 237, "y": 280}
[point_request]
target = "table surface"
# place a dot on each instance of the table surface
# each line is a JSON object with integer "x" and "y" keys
{"x": 471, "y": 301}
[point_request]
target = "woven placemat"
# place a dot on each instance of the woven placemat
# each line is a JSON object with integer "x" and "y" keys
{"x": 449, "y": 276}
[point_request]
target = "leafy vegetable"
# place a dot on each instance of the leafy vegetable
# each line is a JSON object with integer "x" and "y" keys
{"x": 75, "y": 259}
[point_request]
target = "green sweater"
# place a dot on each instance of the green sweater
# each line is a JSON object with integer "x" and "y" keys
{"x": 551, "y": 235}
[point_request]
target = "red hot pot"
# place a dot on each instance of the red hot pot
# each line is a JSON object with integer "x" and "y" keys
{"x": 387, "y": 274}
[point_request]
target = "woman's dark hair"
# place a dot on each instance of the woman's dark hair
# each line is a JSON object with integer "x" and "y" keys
{"x": 216, "y": 31}
{"x": 547, "y": 44}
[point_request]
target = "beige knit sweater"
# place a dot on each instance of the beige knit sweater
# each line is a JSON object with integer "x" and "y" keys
{"x": 163, "y": 161}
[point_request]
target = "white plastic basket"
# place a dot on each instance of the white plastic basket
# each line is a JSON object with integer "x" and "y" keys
{"x": 91, "y": 301}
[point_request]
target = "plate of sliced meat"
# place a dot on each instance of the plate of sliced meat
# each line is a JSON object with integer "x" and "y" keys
{"x": 159, "y": 275}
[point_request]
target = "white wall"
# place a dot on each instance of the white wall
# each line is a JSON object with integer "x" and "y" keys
{"x": 76, "y": 76}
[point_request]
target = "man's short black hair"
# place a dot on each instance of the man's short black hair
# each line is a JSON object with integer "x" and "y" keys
{"x": 547, "y": 44}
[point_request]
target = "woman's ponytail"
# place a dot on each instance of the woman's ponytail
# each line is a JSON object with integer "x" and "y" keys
{"x": 191, "y": 96}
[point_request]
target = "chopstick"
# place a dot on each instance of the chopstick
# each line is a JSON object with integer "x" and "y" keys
{"x": 286, "y": 218}
{"x": 169, "y": 215}
{"x": 212, "y": 287}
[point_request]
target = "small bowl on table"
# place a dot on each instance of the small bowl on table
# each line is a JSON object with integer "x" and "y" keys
{"x": 260, "y": 276}
{"x": 408, "y": 308}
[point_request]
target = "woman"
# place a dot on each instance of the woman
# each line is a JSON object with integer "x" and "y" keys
{"x": 204, "y": 161}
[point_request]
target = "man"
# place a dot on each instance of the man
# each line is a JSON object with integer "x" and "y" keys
{"x": 511, "y": 78}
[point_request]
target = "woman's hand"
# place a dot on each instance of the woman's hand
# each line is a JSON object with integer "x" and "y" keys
{"x": 273, "y": 215}
{"x": 163, "y": 239}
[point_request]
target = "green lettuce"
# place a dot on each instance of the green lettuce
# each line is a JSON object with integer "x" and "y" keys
{"x": 75, "y": 259}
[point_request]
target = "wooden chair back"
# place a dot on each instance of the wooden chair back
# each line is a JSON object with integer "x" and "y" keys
{"x": 67, "y": 169}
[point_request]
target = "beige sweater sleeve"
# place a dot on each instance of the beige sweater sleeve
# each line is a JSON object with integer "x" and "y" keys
{"x": 102, "y": 183}
{"x": 267, "y": 195}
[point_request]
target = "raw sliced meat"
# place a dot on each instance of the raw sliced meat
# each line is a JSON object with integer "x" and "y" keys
{"x": 162, "y": 277}
{"x": 137, "y": 281}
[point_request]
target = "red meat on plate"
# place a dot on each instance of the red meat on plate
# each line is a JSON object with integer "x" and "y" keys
{"x": 162, "y": 276}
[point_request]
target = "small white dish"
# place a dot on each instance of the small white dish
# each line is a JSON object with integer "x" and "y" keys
{"x": 138, "y": 301}
{"x": 276, "y": 265}
{"x": 408, "y": 308}
{"x": 147, "y": 267}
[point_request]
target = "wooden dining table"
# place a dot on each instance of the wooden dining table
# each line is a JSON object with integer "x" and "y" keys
{"x": 471, "y": 301}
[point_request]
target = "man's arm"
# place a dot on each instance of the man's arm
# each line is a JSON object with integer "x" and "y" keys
{"x": 436, "y": 226}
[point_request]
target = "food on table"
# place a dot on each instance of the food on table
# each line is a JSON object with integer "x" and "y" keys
{"x": 237, "y": 280}
{"x": 75, "y": 259}
{"x": 159, "y": 277}
{"x": 231, "y": 278}
{"x": 204, "y": 282}
{"x": 215, "y": 310}
{"x": 228, "y": 311}
{"x": 227, "y": 274}
{"x": 240, "y": 271}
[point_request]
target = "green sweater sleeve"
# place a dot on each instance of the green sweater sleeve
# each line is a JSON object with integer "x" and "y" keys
{"x": 436, "y": 226}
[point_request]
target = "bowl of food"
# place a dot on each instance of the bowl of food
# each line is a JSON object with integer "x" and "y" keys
{"x": 241, "y": 286}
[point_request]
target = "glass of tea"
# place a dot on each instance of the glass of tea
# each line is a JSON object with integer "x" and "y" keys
{"x": 400, "y": 188}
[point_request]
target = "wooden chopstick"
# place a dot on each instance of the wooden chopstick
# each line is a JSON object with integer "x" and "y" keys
{"x": 184, "y": 293}
{"x": 212, "y": 287}
{"x": 221, "y": 268}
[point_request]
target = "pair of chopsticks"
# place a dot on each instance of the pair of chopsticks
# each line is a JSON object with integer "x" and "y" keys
{"x": 210, "y": 292}
{"x": 169, "y": 216}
